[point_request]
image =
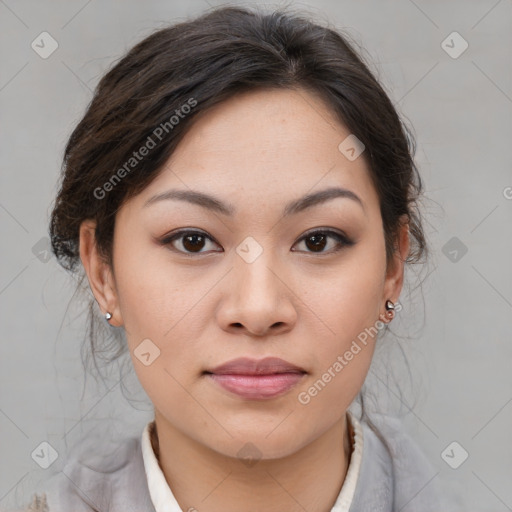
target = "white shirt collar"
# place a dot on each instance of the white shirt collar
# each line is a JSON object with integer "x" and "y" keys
{"x": 344, "y": 499}
{"x": 164, "y": 500}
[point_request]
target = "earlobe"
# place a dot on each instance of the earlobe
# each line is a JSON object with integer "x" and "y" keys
{"x": 98, "y": 271}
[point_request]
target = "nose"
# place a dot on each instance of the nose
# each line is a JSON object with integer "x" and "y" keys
{"x": 258, "y": 300}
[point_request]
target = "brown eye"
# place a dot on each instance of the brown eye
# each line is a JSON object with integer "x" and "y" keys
{"x": 193, "y": 242}
{"x": 187, "y": 242}
{"x": 317, "y": 241}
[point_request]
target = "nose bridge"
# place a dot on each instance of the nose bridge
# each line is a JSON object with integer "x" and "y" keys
{"x": 253, "y": 264}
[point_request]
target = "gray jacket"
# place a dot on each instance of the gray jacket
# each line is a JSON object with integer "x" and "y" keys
{"x": 391, "y": 479}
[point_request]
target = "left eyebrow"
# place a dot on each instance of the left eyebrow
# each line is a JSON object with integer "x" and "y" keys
{"x": 296, "y": 206}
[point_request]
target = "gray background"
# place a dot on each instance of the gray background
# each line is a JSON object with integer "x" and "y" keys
{"x": 459, "y": 321}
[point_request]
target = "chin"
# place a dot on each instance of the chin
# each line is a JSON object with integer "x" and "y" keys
{"x": 256, "y": 444}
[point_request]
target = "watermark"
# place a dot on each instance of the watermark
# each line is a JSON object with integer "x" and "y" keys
{"x": 44, "y": 455}
{"x": 304, "y": 397}
{"x": 146, "y": 352}
{"x": 454, "y": 249}
{"x": 44, "y": 45}
{"x": 351, "y": 147}
{"x": 151, "y": 142}
{"x": 249, "y": 454}
{"x": 454, "y": 455}
{"x": 454, "y": 45}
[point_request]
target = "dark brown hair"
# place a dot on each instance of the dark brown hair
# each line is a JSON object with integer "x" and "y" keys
{"x": 172, "y": 76}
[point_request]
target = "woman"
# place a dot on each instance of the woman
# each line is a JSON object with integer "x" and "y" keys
{"x": 242, "y": 197}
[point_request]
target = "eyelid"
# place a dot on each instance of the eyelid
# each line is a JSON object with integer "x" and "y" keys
{"x": 326, "y": 230}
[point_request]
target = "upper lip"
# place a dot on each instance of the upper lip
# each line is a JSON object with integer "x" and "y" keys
{"x": 248, "y": 366}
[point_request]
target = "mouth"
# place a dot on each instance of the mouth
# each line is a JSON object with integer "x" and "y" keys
{"x": 253, "y": 379}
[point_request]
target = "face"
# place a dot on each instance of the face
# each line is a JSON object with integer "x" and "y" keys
{"x": 196, "y": 285}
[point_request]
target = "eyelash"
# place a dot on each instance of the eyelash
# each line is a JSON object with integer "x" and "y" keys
{"x": 343, "y": 241}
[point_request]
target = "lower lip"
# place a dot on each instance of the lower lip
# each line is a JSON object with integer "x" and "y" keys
{"x": 257, "y": 387}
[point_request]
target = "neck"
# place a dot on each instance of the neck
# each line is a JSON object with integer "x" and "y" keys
{"x": 203, "y": 480}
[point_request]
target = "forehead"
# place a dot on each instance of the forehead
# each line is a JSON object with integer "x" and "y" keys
{"x": 266, "y": 120}
{"x": 270, "y": 144}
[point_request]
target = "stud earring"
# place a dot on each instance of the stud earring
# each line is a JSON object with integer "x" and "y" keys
{"x": 390, "y": 310}
{"x": 108, "y": 316}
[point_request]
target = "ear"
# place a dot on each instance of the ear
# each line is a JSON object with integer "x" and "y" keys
{"x": 395, "y": 276}
{"x": 99, "y": 273}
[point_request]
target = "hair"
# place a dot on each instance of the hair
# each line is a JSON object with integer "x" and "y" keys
{"x": 164, "y": 83}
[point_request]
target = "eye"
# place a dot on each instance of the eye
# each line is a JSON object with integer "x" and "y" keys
{"x": 318, "y": 240}
{"x": 193, "y": 242}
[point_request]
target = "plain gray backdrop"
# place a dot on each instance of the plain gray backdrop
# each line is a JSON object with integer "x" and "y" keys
{"x": 458, "y": 100}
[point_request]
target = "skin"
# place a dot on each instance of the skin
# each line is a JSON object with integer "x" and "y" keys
{"x": 257, "y": 151}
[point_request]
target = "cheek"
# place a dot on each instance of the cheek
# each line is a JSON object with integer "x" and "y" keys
{"x": 349, "y": 299}
{"x": 348, "y": 349}
{"x": 346, "y": 305}
{"x": 156, "y": 304}
{"x": 344, "y": 352}
{"x": 329, "y": 393}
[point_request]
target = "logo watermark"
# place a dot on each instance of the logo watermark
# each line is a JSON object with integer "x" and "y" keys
{"x": 304, "y": 397}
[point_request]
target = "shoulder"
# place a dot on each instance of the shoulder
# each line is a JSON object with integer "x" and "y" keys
{"x": 394, "y": 472}
{"x": 97, "y": 476}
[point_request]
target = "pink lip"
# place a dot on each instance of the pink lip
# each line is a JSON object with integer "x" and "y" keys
{"x": 257, "y": 379}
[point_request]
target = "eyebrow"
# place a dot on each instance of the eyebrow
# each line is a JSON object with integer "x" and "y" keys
{"x": 292, "y": 208}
